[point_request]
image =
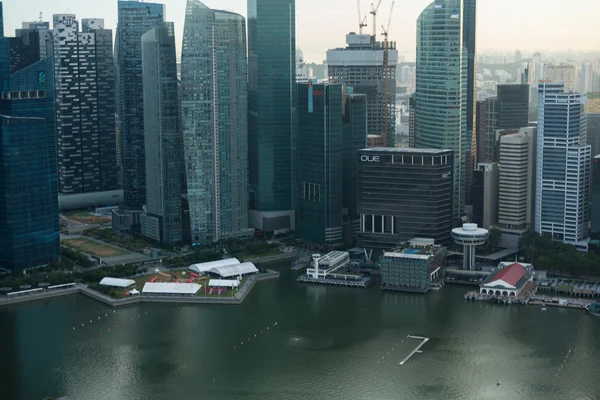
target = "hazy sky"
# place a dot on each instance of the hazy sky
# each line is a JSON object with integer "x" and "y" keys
{"x": 322, "y": 24}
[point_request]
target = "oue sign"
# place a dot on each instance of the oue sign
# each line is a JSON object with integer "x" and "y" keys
{"x": 369, "y": 158}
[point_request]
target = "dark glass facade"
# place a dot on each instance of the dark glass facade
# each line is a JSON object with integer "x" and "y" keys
{"x": 271, "y": 103}
{"x": 403, "y": 194}
{"x": 320, "y": 163}
{"x": 1, "y": 20}
{"x": 134, "y": 20}
{"x": 469, "y": 18}
{"x": 31, "y": 94}
{"x": 28, "y": 217}
{"x": 595, "y": 203}
{"x": 164, "y": 137}
{"x": 441, "y": 90}
{"x": 354, "y": 139}
{"x": 509, "y": 110}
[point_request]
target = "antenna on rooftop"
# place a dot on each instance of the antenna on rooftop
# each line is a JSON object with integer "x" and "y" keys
{"x": 41, "y": 20}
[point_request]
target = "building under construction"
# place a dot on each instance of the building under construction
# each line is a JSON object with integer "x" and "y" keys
{"x": 362, "y": 65}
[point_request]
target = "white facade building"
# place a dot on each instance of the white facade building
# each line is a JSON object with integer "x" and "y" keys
{"x": 562, "y": 166}
{"x": 516, "y": 185}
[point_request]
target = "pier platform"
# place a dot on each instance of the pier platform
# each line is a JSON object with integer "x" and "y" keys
{"x": 417, "y": 349}
{"x": 357, "y": 282}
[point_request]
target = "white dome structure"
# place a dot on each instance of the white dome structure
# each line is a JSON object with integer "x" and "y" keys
{"x": 470, "y": 236}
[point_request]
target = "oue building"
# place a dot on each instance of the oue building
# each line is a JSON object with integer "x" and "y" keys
{"x": 402, "y": 194}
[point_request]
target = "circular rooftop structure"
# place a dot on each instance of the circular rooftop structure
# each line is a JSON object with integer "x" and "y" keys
{"x": 470, "y": 234}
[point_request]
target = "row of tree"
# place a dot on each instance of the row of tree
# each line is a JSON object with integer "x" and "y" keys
{"x": 545, "y": 253}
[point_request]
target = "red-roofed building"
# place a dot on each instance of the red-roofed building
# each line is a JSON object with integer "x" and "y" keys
{"x": 509, "y": 281}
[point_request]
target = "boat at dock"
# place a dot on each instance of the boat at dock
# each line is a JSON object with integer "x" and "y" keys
{"x": 594, "y": 309}
{"x": 543, "y": 307}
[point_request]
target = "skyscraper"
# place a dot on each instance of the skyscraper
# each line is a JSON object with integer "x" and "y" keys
{"x": 162, "y": 220}
{"x": 595, "y": 205}
{"x": 561, "y": 73}
{"x": 563, "y": 166}
{"x": 509, "y": 110}
{"x": 469, "y": 18}
{"x": 85, "y": 105}
{"x": 320, "y": 167}
{"x": 441, "y": 89}
{"x": 360, "y": 65}
{"x": 135, "y": 19}
{"x": 354, "y": 138}
{"x": 215, "y": 128}
{"x": 517, "y": 185}
{"x": 1, "y": 21}
{"x": 28, "y": 213}
{"x": 402, "y": 194}
{"x": 271, "y": 107}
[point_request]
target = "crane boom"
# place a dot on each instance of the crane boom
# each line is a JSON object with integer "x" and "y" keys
{"x": 361, "y": 23}
{"x": 373, "y": 12}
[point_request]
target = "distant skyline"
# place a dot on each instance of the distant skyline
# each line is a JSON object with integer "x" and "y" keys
{"x": 322, "y": 24}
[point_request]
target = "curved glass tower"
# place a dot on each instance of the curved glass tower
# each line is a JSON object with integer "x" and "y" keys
{"x": 441, "y": 90}
{"x": 215, "y": 126}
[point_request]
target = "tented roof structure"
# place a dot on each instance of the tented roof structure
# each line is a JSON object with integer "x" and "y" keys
{"x": 234, "y": 270}
{"x": 116, "y": 282}
{"x": 170, "y": 288}
{"x": 207, "y": 266}
{"x": 232, "y": 283}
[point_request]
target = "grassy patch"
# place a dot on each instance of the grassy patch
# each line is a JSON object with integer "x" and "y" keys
{"x": 167, "y": 277}
{"x": 94, "y": 248}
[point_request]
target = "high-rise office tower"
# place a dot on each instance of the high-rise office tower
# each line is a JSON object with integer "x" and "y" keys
{"x": 360, "y": 65}
{"x": 135, "y": 19}
{"x": 215, "y": 127}
{"x": 441, "y": 90}
{"x": 563, "y": 166}
{"x": 1, "y": 20}
{"x": 469, "y": 18}
{"x": 411, "y": 122}
{"x": 593, "y": 122}
{"x": 162, "y": 220}
{"x": 354, "y": 138}
{"x": 586, "y": 78}
{"x": 595, "y": 199}
{"x": 28, "y": 213}
{"x": 480, "y": 131}
{"x": 403, "y": 194}
{"x": 85, "y": 105}
{"x": 484, "y": 194}
{"x": 271, "y": 109}
{"x": 320, "y": 166}
{"x": 516, "y": 186}
{"x": 509, "y": 110}
{"x": 561, "y": 73}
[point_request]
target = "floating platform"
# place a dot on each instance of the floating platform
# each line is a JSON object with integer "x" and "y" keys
{"x": 358, "y": 282}
{"x": 417, "y": 350}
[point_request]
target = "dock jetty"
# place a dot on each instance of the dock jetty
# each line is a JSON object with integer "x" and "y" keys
{"x": 417, "y": 349}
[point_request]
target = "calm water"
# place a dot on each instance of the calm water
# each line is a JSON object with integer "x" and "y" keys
{"x": 326, "y": 345}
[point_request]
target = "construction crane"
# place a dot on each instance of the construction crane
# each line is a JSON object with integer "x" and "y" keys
{"x": 361, "y": 23}
{"x": 386, "y": 80}
{"x": 373, "y": 12}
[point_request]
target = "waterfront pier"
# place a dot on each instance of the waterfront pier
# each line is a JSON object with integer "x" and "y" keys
{"x": 417, "y": 349}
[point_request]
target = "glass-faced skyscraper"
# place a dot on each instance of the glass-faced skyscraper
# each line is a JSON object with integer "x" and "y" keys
{"x": 135, "y": 19}
{"x": 162, "y": 220}
{"x": 215, "y": 127}
{"x": 271, "y": 107}
{"x": 563, "y": 166}
{"x": 441, "y": 89}
{"x": 320, "y": 174}
{"x": 85, "y": 105}
{"x": 28, "y": 213}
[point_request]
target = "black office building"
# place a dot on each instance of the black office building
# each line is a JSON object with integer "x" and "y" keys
{"x": 509, "y": 110}
{"x": 403, "y": 194}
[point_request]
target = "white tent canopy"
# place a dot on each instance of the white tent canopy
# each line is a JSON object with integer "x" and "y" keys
{"x": 234, "y": 270}
{"x": 116, "y": 282}
{"x": 171, "y": 288}
{"x": 207, "y": 266}
{"x": 231, "y": 283}
{"x": 133, "y": 292}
